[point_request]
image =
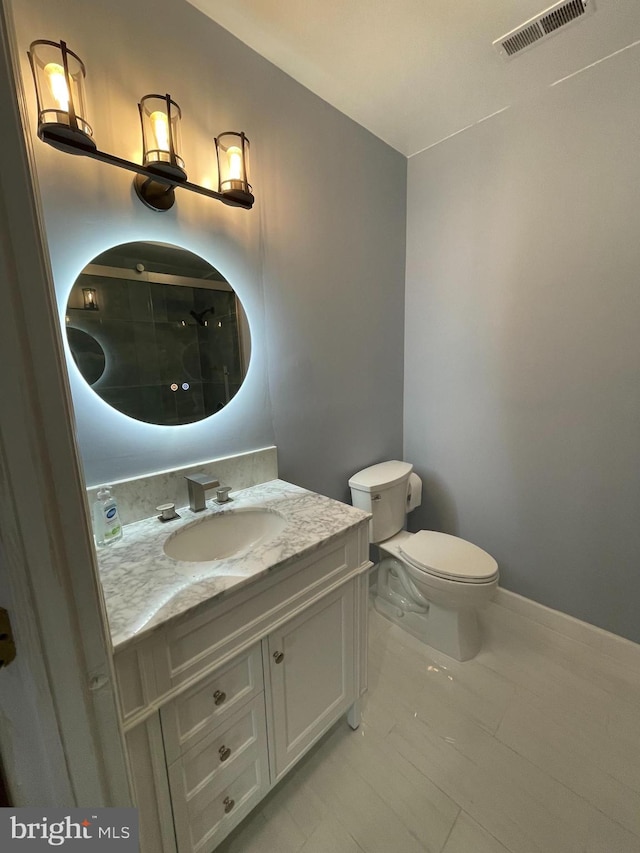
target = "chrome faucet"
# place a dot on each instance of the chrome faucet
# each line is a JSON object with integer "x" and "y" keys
{"x": 198, "y": 485}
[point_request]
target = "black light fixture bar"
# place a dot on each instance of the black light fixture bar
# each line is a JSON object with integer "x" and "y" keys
{"x": 164, "y": 184}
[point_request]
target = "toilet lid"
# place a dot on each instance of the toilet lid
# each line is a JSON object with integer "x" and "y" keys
{"x": 449, "y": 557}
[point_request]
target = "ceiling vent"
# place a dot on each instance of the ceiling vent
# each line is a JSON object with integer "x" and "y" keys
{"x": 542, "y": 26}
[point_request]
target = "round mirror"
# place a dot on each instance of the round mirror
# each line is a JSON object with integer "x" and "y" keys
{"x": 158, "y": 333}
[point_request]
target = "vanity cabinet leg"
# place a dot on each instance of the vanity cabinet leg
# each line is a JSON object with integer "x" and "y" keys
{"x": 354, "y": 714}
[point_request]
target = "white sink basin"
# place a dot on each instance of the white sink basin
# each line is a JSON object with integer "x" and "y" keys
{"x": 225, "y": 535}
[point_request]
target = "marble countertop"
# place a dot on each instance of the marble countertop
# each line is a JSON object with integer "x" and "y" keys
{"x": 144, "y": 588}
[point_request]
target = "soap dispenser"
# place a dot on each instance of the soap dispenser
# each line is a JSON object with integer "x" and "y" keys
{"x": 107, "y": 526}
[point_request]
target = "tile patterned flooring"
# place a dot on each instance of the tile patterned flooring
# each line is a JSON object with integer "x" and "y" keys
{"x": 533, "y": 747}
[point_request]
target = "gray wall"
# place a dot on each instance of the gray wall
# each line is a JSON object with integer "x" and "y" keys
{"x": 522, "y": 369}
{"x": 318, "y": 263}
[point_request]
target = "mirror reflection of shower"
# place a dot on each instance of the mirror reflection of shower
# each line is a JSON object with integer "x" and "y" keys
{"x": 175, "y": 332}
{"x": 199, "y": 316}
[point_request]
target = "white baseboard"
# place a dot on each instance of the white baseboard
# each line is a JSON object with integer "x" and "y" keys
{"x": 623, "y": 650}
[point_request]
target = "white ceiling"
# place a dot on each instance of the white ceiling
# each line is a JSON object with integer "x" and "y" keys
{"x": 416, "y": 71}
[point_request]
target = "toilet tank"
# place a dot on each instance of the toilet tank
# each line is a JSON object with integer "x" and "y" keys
{"x": 382, "y": 490}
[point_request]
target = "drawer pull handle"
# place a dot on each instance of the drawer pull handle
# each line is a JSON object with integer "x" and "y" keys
{"x": 228, "y": 804}
{"x": 219, "y": 697}
{"x": 278, "y": 657}
{"x": 224, "y": 753}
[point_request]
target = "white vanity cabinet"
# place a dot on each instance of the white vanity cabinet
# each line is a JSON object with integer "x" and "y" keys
{"x": 218, "y": 704}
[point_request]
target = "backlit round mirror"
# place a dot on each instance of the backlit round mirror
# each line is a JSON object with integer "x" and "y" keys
{"x": 158, "y": 333}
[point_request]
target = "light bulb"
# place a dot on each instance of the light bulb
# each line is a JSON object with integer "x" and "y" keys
{"x": 58, "y": 85}
{"x": 160, "y": 125}
{"x": 235, "y": 163}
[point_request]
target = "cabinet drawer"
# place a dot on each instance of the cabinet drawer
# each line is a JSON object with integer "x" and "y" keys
{"x": 211, "y": 796}
{"x": 212, "y": 701}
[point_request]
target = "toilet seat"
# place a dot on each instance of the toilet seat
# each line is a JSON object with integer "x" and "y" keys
{"x": 448, "y": 557}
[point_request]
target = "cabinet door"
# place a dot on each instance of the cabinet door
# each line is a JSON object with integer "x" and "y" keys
{"x": 312, "y": 669}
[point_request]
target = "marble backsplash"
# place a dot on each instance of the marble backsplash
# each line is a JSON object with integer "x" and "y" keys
{"x": 138, "y": 498}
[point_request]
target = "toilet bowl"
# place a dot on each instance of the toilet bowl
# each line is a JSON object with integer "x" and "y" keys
{"x": 430, "y": 583}
{"x": 451, "y": 579}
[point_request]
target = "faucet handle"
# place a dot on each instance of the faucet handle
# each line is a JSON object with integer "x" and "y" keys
{"x": 222, "y": 494}
{"x": 167, "y": 512}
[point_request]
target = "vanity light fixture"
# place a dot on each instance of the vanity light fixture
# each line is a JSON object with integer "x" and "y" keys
{"x": 59, "y": 76}
{"x": 90, "y": 299}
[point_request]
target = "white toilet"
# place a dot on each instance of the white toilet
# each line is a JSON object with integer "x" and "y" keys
{"x": 430, "y": 583}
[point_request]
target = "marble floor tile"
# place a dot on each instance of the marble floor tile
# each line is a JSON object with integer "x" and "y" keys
{"x": 532, "y": 747}
{"x": 612, "y": 747}
{"x": 577, "y": 660}
{"x": 447, "y": 709}
{"x": 331, "y": 837}
{"x": 623, "y": 735}
{"x": 259, "y": 834}
{"x": 467, "y": 836}
{"x": 517, "y": 655}
{"x": 426, "y": 812}
{"x": 478, "y": 692}
{"x": 606, "y": 836}
{"x": 506, "y": 798}
{"x": 295, "y": 798}
{"x": 576, "y": 761}
{"x": 357, "y": 806}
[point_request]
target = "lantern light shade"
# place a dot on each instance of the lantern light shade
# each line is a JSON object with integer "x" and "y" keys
{"x": 90, "y": 299}
{"x": 59, "y": 75}
{"x": 160, "y": 118}
{"x": 232, "y": 153}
